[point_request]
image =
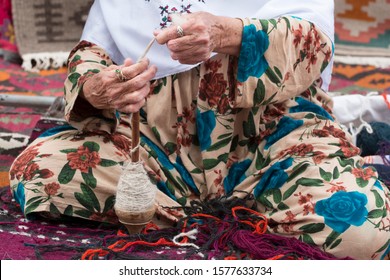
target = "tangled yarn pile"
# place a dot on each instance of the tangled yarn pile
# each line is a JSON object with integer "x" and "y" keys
{"x": 216, "y": 229}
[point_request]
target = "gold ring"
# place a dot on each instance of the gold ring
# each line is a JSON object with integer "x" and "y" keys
{"x": 119, "y": 75}
{"x": 179, "y": 31}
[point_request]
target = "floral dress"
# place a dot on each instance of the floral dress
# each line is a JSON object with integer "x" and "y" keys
{"x": 258, "y": 124}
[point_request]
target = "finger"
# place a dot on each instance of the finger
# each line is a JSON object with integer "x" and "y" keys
{"x": 167, "y": 34}
{"x": 192, "y": 60}
{"x": 131, "y": 108}
{"x": 190, "y": 41}
{"x": 131, "y": 71}
{"x": 128, "y": 62}
{"x": 133, "y": 97}
{"x": 120, "y": 96}
{"x": 132, "y": 91}
{"x": 192, "y": 55}
{"x": 140, "y": 80}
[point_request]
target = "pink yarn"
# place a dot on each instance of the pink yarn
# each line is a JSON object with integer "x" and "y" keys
{"x": 267, "y": 246}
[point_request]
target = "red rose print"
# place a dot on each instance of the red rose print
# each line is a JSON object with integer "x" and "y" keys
{"x": 52, "y": 188}
{"x": 83, "y": 159}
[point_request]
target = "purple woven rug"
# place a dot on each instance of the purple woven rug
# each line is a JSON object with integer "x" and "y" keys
{"x": 70, "y": 239}
{"x": 22, "y": 239}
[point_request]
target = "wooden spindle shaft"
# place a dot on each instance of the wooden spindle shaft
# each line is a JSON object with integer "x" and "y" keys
{"x": 135, "y": 137}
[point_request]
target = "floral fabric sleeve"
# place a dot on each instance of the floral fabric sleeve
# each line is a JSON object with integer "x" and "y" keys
{"x": 279, "y": 59}
{"x": 85, "y": 60}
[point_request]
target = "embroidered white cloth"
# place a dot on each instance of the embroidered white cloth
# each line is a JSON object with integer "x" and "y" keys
{"x": 124, "y": 28}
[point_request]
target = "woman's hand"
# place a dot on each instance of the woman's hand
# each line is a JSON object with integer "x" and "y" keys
{"x": 105, "y": 90}
{"x": 204, "y": 33}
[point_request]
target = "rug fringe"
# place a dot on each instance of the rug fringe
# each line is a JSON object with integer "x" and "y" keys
{"x": 35, "y": 62}
{"x": 377, "y": 61}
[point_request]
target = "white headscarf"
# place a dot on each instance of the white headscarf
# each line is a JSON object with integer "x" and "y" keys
{"x": 125, "y": 27}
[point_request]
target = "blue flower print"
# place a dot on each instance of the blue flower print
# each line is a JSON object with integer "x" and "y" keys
{"x": 385, "y": 253}
{"x": 342, "y": 210}
{"x": 161, "y": 156}
{"x": 378, "y": 185}
{"x": 307, "y": 106}
{"x": 19, "y": 196}
{"x": 236, "y": 175}
{"x": 205, "y": 123}
{"x": 251, "y": 61}
{"x": 162, "y": 186}
{"x": 166, "y": 163}
{"x": 284, "y": 127}
{"x": 274, "y": 177}
{"x": 185, "y": 175}
{"x": 57, "y": 129}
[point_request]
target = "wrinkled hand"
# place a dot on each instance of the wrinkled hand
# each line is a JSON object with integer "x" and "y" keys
{"x": 105, "y": 90}
{"x": 198, "y": 41}
{"x": 204, "y": 33}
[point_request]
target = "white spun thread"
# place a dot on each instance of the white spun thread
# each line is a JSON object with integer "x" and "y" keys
{"x": 135, "y": 148}
{"x": 190, "y": 234}
{"x": 135, "y": 192}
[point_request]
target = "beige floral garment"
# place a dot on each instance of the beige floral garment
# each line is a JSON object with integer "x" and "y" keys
{"x": 259, "y": 124}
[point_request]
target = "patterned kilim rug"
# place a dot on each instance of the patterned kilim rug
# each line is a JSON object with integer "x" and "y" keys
{"x": 14, "y": 80}
{"x": 359, "y": 79}
{"x": 363, "y": 28}
{"x": 15, "y": 128}
{"x": 17, "y": 124}
{"x": 47, "y": 30}
{"x": 235, "y": 233}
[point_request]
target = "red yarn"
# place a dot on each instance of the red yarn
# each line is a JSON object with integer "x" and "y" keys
{"x": 225, "y": 230}
{"x": 122, "y": 245}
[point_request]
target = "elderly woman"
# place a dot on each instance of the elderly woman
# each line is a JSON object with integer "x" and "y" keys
{"x": 232, "y": 101}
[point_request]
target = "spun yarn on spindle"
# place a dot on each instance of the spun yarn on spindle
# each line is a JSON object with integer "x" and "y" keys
{"x": 369, "y": 143}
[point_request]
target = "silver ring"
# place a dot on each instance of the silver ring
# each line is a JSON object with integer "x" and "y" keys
{"x": 119, "y": 75}
{"x": 179, "y": 31}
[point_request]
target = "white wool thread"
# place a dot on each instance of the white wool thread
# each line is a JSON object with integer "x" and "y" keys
{"x": 133, "y": 150}
{"x": 190, "y": 234}
{"x": 135, "y": 192}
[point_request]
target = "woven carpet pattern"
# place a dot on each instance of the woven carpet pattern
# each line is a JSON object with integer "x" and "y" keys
{"x": 225, "y": 238}
{"x": 14, "y": 80}
{"x": 362, "y": 27}
{"x": 17, "y": 124}
{"x": 359, "y": 79}
{"x": 48, "y": 25}
{"x": 15, "y": 130}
